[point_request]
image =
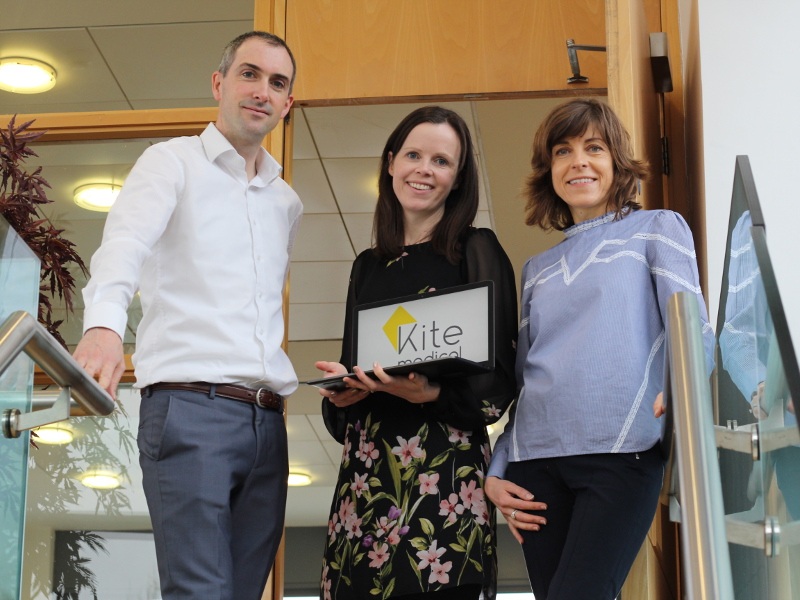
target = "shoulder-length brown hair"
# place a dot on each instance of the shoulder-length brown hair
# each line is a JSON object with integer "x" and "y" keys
{"x": 544, "y": 207}
{"x": 461, "y": 204}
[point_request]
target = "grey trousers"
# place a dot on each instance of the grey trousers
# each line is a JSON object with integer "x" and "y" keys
{"x": 214, "y": 475}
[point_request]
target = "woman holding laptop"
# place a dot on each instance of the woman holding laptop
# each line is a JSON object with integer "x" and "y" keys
{"x": 409, "y": 518}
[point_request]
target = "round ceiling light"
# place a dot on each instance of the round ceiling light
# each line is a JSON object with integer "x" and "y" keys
{"x": 99, "y": 479}
{"x": 26, "y": 75}
{"x": 54, "y": 434}
{"x": 299, "y": 479}
{"x": 96, "y": 196}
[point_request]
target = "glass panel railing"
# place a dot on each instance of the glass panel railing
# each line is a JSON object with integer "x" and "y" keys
{"x": 19, "y": 290}
{"x": 757, "y": 430}
{"x": 87, "y": 531}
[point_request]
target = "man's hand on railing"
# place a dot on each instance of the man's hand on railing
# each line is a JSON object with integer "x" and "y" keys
{"x": 100, "y": 353}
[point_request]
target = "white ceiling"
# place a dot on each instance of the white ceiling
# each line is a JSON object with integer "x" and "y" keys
{"x": 156, "y": 54}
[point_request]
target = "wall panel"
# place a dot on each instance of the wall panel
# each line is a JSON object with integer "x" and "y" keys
{"x": 369, "y": 50}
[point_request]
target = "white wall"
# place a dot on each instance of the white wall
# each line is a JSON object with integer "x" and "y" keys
{"x": 749, "y": 55}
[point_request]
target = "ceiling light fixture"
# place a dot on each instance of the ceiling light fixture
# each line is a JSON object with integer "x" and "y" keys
{"x": 54, "y": 434}
{"x": 100, "y": 479}
{"x": 26, "y": 75}
{"x": 299, "y": 479}
{"x": 96, "y": 196}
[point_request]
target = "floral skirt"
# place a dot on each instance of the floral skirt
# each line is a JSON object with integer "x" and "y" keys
{"x": 409, "y": 513}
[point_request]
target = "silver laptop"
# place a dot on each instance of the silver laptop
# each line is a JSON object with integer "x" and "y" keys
{"x": 445, "y": 332}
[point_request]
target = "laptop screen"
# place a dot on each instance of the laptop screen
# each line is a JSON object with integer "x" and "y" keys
{"x": 456, "y": 322}
{"x": 445, "y": 332}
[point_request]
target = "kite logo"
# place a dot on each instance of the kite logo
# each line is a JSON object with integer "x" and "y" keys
{"x": 409, "y": 338}
{"x": 392, "y": 327}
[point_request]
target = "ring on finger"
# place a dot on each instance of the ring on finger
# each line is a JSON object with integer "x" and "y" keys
{"x": 513, "y": 513}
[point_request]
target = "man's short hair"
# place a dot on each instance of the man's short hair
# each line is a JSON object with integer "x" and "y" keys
{"x": 269, "y": 38}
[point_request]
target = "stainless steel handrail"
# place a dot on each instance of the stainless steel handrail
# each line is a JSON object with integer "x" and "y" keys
{"x": 703, "y": 539}
{"x": 21, "y": 332}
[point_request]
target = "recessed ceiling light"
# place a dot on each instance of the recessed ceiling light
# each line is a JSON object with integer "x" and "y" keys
{"x": 299, "y": 479}
{"x": 99, "y": 479}
{"x": 55, "y": 434}
{"x": 26, "y": 75}
{"x": 96, "y": 196}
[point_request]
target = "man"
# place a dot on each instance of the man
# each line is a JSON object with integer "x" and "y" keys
{"x": 203, "y": 228}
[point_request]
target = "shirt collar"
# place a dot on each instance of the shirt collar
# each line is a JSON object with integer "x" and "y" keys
{"x": 596, "y": 222}
{"x": 216, "y": 145}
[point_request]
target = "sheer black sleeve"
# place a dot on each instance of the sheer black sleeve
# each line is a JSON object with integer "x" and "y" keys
{"x": 336, "y": 418}
{"x": 472, "y": 402}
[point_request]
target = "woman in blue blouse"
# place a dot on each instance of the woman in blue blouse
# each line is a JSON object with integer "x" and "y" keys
{"x": 578, "y": 470}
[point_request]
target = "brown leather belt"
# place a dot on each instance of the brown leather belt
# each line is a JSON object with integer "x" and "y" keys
{"x": 259, "y": 396}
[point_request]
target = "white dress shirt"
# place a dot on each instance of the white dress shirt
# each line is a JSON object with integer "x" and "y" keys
{"x": 209, "y": 251}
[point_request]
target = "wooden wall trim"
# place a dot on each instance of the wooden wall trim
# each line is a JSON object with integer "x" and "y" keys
{"x": 373, "y": 49}
{"x": 118, "y": 124}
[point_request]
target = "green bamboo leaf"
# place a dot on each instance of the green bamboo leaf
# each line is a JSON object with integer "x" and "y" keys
{"x": 394, "y": 468}
{"x": 440, "y": 459}
{"x": 419, "y": 543}
{"x": 463, "y": 472}
{"x": 415, "y": 567}
{"x": 478, "y": 566}
{"x": 427, "y": 526}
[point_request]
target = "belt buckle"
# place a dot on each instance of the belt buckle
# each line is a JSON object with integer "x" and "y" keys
{"x": 263, "y": 393}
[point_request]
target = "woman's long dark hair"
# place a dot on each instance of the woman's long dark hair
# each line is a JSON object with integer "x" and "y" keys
{"x": 461, "y": 204}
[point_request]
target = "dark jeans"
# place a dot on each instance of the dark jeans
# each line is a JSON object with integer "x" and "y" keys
{"x": 599, "y": 509}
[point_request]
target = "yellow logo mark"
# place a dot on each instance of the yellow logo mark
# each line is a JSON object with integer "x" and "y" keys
{"x": 400, "y": 317}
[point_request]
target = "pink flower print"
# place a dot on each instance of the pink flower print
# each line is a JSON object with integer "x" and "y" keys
{"x": 451, "y": 508}
{"x": 408, "y": 450}
{"x": 457, "y": 436}
{"x": 346, "y": 509}
{"x": 394, "y": 260}
{"x": 346, "y": 448}
{"x": 367, "y": 452}
{"x": 326, "y": 584}
{"x": 360, "y": 484}
{"x": 382, "y": 526}
{"x": 487, "y": 453}
{"x": 429, "y": 556}
{"x": 427, "y": 483}
{"x": 492, "y": 411}
{"x": 397, "y": 533}
{"x": 480, "y": 510}
{"x": 353, "y": 527}
{"x": 439, "y": 572}
{"x": 334, "y": 526}
{"x": 470, "y": 493}
{"x": 379, "y": 555}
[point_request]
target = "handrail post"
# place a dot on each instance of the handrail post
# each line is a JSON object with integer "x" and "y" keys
{"x": 703, "y": 540}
